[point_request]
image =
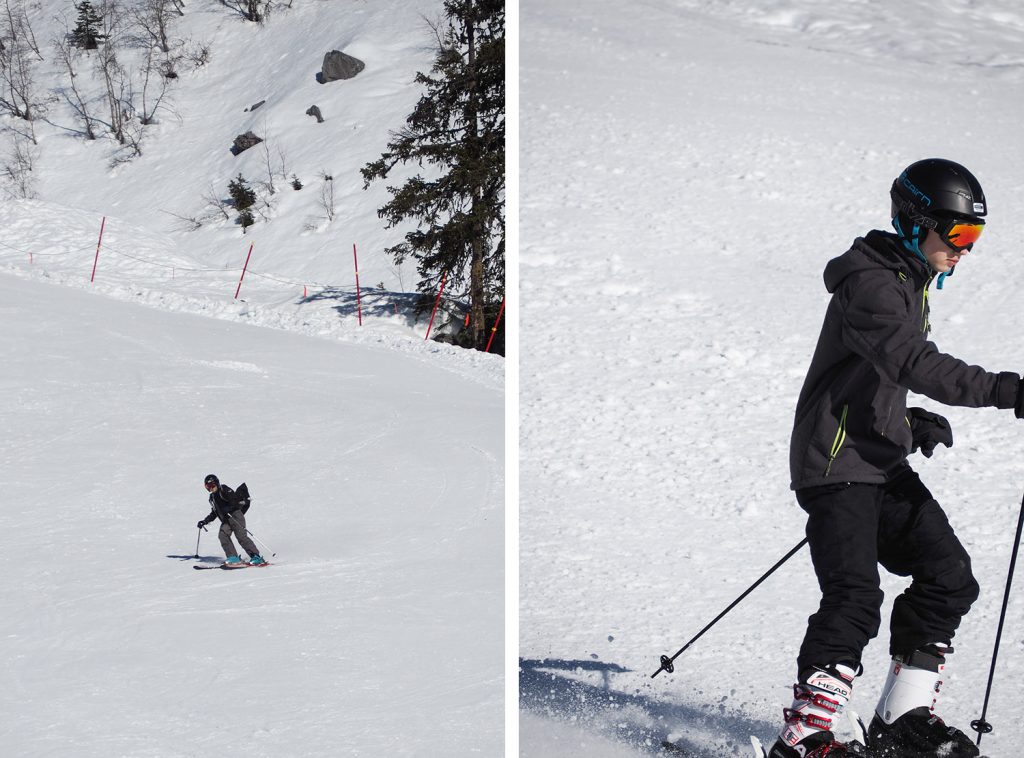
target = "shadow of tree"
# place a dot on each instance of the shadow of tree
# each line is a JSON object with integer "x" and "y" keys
{"x": 374, "y": 302}
{"x": 553, "y": 688}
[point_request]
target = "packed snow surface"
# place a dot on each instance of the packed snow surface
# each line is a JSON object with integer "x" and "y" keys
{"x": 377, "y": 491}
{"x": 687, "y": 169}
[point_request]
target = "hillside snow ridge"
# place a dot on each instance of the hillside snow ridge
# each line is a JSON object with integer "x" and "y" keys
{"x": 302, "y": 272}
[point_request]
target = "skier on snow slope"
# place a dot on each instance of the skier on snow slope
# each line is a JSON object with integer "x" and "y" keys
{"x": 865, "y": 505}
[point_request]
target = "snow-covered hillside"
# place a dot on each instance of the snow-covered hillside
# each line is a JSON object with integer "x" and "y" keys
{"x": 301, "y": 260}
{"x": 687, "y": 168}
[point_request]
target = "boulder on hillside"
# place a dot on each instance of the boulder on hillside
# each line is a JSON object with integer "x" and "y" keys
{"x": 243, "y": 142}
{"x": 337, "y": 65}
{"x": 315, "y": 113}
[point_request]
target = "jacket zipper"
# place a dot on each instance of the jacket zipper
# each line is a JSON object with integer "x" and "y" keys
{"x": 837, "y": 443}
{"x": 924, "y": 304}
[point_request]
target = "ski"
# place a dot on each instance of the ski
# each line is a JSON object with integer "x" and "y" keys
{"x": 234, "y": 567}
{"x": 226, "y": 567}
{"x": 859, "y": 728}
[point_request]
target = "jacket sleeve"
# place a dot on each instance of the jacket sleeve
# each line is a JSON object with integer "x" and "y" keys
{"x": 883, "y": 324}
{"x": 211, "y": 517}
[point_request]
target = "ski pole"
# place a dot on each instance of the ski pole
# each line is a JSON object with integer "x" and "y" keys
{"x": 268, "y": 547}
{"x": 199, "y": 533}
{"x": 981, "y": 726}
{"x": 666, "y": 662}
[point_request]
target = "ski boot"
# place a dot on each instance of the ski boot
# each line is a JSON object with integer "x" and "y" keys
{"x": 257, "y": 560}
{"x": 905, "y": 725}
{"x": 818, "y": 745}
{"x": 820, "y": 695}
{"x": 233, "y": 560}
{"x": 918, "y": 733}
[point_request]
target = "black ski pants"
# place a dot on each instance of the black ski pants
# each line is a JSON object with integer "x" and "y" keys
{"x": 852, "y": 528}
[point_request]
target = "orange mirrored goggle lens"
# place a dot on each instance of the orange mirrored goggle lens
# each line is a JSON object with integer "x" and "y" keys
{"x": 962, "y": 235}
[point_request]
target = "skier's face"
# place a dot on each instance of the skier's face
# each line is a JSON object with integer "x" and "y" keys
{"x": 940, "y": 255}
{"x": 211, "y": 486}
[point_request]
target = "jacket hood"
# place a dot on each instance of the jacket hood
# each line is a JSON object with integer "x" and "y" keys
{"x": 875, "y": 250}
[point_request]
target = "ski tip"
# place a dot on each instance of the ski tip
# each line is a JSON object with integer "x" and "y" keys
{"x": 860, "y": 731}
{"x": 759, "y": 751}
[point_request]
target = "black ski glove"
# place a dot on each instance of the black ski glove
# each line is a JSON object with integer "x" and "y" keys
{"x": 929, "y": 430}
{"x": 201, "y": 525}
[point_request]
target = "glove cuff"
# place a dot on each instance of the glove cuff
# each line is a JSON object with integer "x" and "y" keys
{"x": 1008, "y": 391}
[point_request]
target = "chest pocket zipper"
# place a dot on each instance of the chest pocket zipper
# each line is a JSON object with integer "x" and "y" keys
{"x": 837, "y": 443}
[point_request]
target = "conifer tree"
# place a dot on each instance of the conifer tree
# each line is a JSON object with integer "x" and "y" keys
{"x": 87, "y": 33}
{"x": 457, "y": 129}
{"x": 244, "y": 198}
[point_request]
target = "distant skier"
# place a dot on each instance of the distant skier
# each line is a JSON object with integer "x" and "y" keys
{"x": 227, "y": 506}
{"x": 865, "y": 505}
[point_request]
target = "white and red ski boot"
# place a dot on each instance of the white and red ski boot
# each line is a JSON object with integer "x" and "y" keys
{"x": 817, "y": 700}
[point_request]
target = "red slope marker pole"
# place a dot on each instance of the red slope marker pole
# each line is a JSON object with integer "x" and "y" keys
{"x": 244, "y": 269}
{"x": 359, "y": 302}
{"x": 98, "y": 243}
{"x": 436, "y": 303}
{"x": 495, "y": 327}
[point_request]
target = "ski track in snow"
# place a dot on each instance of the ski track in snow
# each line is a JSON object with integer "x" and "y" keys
{"x": 687, "y": 168}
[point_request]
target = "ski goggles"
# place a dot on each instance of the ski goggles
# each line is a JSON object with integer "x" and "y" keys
{"x": 960, "y": 235}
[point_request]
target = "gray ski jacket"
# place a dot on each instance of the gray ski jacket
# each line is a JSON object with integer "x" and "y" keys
{"x": 851, "y": 417}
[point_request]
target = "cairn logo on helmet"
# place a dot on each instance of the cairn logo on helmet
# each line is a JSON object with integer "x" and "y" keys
{"x": 914, "y": 190}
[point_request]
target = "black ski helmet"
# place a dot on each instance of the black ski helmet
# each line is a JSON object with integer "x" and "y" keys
{"x": 928, "y": 194}
{"x": 211, "y": 479}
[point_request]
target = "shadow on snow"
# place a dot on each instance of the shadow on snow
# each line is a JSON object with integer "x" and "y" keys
{"x": 373, "y": 301}
{"x": 200, "y": 559}
{"x": 641, "y": 721}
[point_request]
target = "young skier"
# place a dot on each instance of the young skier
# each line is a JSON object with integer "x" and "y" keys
{"x": 865, "y": 505}
{"x": 226, "y": 505}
